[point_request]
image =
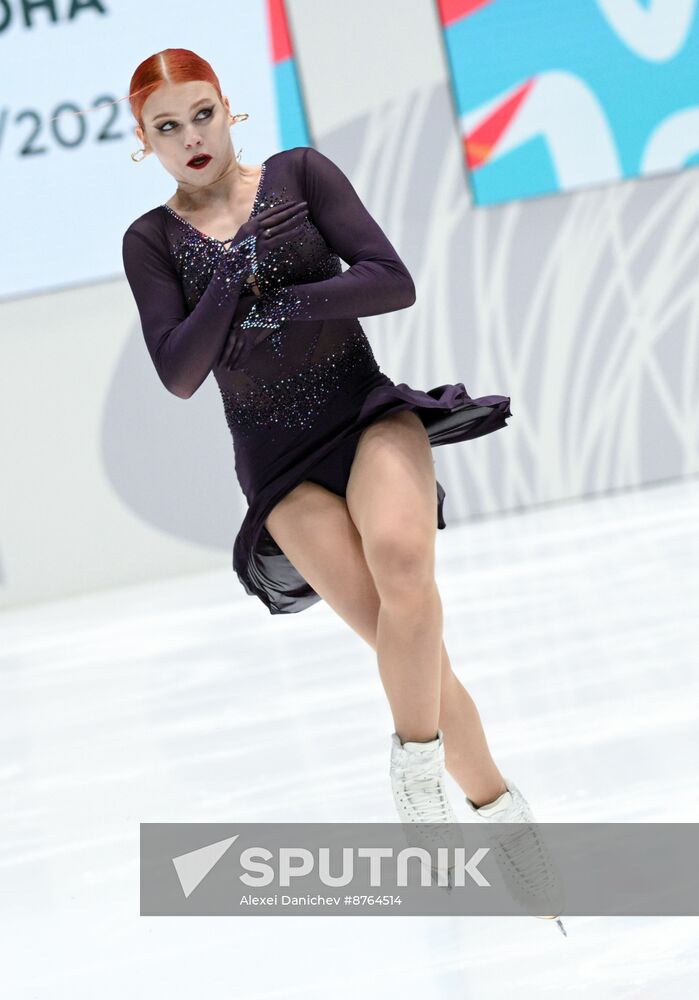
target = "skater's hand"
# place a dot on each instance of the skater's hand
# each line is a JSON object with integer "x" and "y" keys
{"x": 273, "y": 226}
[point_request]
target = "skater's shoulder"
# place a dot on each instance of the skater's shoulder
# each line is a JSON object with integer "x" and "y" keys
{"x": 149, "y": 225}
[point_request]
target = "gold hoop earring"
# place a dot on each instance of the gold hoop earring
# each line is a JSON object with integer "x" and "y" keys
{"x": 232, "y": 119}
{"x": 136, "y": 158}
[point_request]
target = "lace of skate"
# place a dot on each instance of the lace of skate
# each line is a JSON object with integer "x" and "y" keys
{"x": 526, "y": 853}
{"x": 424, "y": 792}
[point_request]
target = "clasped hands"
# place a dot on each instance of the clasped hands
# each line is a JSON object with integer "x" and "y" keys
{"x": 271, "y": 228}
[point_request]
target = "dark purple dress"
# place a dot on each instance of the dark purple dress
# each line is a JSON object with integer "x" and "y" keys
{"x": 304, "y": 381}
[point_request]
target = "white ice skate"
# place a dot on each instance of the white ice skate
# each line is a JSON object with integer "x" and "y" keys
{"x": 417, "y": 780}
{"x": 522, "y": 856}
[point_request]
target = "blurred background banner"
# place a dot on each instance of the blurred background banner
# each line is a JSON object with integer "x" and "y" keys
{"x": 556, "y": 96}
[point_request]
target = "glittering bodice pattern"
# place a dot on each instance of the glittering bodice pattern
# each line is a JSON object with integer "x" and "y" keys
{"x": 296, "y": 353}
{"x": 297, "y": 365}
{"x": 296, "y": 401}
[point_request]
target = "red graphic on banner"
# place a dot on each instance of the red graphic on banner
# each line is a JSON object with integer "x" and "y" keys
{"x": 454, "y": 10}
{"x": 280, "y": 39}
{"x": 480, "y": 143}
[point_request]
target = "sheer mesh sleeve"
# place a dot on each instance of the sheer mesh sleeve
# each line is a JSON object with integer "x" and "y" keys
{"x": 377, "y": 281}
{"x": 184, "y": 348}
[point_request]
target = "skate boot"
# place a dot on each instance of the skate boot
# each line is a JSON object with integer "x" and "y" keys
{"x": 522, "y": 856}
{"x": 417, "y": 780}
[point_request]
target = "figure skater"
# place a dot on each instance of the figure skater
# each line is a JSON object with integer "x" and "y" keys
{"x": 240, "y": 273}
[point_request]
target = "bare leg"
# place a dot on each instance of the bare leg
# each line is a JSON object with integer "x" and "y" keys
{"x": 408, "y": 651}
{"x": 467, "y": 756}
{"x": 313, "y": 527}
{"x": 424, "y": 693}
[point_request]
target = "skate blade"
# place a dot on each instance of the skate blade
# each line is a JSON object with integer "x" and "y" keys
{"x": 557, "y": 919}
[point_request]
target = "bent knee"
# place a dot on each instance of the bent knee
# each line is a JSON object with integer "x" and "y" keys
{"x": 400, "y": 564}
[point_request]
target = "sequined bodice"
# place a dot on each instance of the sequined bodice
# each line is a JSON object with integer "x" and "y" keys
{"x": 293, "y": 373}
{"x": 293, "y": 351}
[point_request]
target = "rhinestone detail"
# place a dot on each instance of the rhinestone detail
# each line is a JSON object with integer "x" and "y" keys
{"x": 202, "y": 259}
{"x": 298, "y": 400}
{"x": 271, "y": 312}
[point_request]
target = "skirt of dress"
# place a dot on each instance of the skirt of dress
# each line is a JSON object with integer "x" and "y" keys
{"x": 449, "y": 415}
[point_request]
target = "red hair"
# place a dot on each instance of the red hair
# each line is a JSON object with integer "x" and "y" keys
{"x": 167, "y": 66}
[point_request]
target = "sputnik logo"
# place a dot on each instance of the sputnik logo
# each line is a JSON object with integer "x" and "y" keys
{"x": 194, "y": 866}
{"x": 294, "y": 863}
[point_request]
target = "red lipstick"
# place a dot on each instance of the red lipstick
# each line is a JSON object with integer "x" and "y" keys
{"x": 199, "y": 161}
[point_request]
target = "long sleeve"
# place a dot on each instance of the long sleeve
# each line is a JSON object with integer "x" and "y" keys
{"x": 184, "y": 348}
{"x": 377, "y": 281}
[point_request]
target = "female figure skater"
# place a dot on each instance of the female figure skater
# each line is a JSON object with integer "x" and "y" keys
{"x": 240, "y": 273}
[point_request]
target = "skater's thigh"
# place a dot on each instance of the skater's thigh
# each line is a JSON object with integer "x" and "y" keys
{"x": 392, "y": 498}
{"x": 313, "y": 528}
